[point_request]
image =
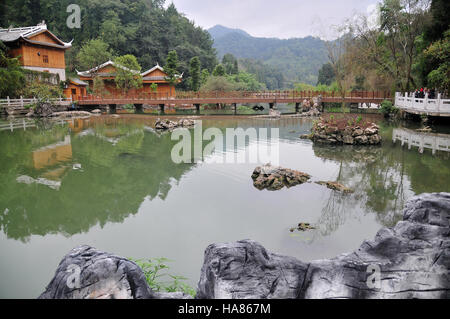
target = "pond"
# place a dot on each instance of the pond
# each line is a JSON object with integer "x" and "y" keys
{"x": 111, "y": 183}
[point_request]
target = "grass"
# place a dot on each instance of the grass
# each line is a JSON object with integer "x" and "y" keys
{"x": 159, "y": 280}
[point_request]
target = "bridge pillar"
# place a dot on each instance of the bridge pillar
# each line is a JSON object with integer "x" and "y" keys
{"x": 161, "y": 108}
{"x": 235, "y": 108}
{"x": 112, "y": 108}
{"x": 139, "y": 108}
{"x": 297, "y": 107}
{"x": 197, "y": 109}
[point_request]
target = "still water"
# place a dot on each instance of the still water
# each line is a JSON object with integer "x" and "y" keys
{"x": 110, "y": 183}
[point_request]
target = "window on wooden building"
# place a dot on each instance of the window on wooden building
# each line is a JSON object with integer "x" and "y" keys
{"x": 45, "y": 58}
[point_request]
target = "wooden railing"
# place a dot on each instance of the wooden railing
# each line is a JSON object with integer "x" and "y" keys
{"x": 407, "y": 102}
{"x": 292, "y": 94}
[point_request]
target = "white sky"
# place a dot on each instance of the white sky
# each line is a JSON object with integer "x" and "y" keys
{"x": 281, "y": 18}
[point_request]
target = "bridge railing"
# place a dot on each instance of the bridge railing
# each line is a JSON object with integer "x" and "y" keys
{"x": 187, "y": 95}
{"x": 435, "y": 142}
{"x": 408, "y": 102}
{"x": 24, "y": 102}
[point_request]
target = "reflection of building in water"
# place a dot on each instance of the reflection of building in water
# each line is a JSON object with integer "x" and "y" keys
{"x": 435, "y": 142}
{"x": 52, "y": 155}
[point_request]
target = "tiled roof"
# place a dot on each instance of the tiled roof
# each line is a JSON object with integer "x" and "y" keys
{"x": 14, "y": 34}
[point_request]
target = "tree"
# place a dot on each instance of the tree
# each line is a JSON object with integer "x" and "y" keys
{"x": 439, "y": 55}
{"x": 99, "y": 86}
{"x": 218, "y": 83}
{"x": 246, "y": 82}
{"x": 326, "y": 74}
{"x": 93, "y": 53}
{"x": 230, "y": 64}
{"x": 12, "y": 78}
{"x": 204, "y": 76}
{"x": 127, "y": 73}
{"x": 195, "y": 80}
{"x": 219, "y": 70}
{"x": 171, "y": 67}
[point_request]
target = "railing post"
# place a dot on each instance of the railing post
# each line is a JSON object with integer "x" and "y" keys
{"x": 7, "y": 99}
{"x": 439, "y": 102}
{"x": 21, "y": 100}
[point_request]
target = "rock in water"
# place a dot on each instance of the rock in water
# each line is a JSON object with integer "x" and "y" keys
{"x": 87, "y": 273}
{"x": 275, "y": 178}
{"x": 412, "y": 260}
{"x": 170, "y": 125}
{"x": 336, "y": 186}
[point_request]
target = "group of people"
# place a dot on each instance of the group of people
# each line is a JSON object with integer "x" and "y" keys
{"x": 420, "y": 93}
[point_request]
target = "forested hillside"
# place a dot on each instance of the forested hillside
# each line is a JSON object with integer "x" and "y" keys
{"x": 143, "y": 28}
{"x": 298, "y": 59}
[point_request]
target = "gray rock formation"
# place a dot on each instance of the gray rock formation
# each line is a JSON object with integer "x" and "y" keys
{"x": 87, "y": 273}
{"x": 411, "y": 260}
{"x": 275, "y": 178}
{"x": 171, "y": 125}
{"x": 328, "y": 133}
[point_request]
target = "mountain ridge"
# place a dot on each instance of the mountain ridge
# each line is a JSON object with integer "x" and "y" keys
{"x": 299, "y": 59}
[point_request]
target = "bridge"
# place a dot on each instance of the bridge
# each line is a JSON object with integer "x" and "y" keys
{"x": 421, "y": 140}
{"x": 433, "y": 107}
{"x": 195, "y": 99}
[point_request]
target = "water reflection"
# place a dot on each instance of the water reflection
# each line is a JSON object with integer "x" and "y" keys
{"x": 422, "y": 140}
{"x": 117, "y": 173}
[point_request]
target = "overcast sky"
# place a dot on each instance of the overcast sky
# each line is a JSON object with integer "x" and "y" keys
{"x": 279, "y": 18}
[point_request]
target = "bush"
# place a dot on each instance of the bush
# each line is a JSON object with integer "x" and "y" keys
{"x": 388, "y": 109}
{"x": 153, "y": 268}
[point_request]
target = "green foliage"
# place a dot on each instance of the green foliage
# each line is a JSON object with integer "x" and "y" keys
{"x": 42, "y": 92}
{"x": 359, "y": 119}
{"x": 387, "y": 108}
{"x": 93, "y": 53}
{"x": 270, "y": 76}
{"x": 171, "y": 67}
{"x": 246, "y": 82}
{"x": 128, "y": 76}
{"x": 204, "y": 76}
{"x": 195, "y": 79}
{"x": 99, "y": 86}
{"x": 147, "y": 29}
{"x": 155, "y": 270}
{"x": 438, "y": 54}
{"x": 298, "y": 60}
{"x": 326, "y": 75}
{"x": 230, "y": 63}
{"x": 219, "y": 70}
{"x": 218, "y": 83}
{"x": 12, "y": 78}
{"x": 154, "y": 87}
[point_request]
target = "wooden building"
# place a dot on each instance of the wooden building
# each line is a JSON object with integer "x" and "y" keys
{"x": 75, "y": 88}
{"x": 152, "y": 79}
{"x": 37, "y": 49}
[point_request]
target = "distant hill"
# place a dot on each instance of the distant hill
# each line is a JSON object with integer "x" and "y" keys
{"x": 219, "y": 31}
{"x": 299, "y": 59}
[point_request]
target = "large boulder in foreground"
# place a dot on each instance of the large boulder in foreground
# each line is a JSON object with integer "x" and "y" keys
{"x": 411, "y": 260}
{"x": 87, "y": 273}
